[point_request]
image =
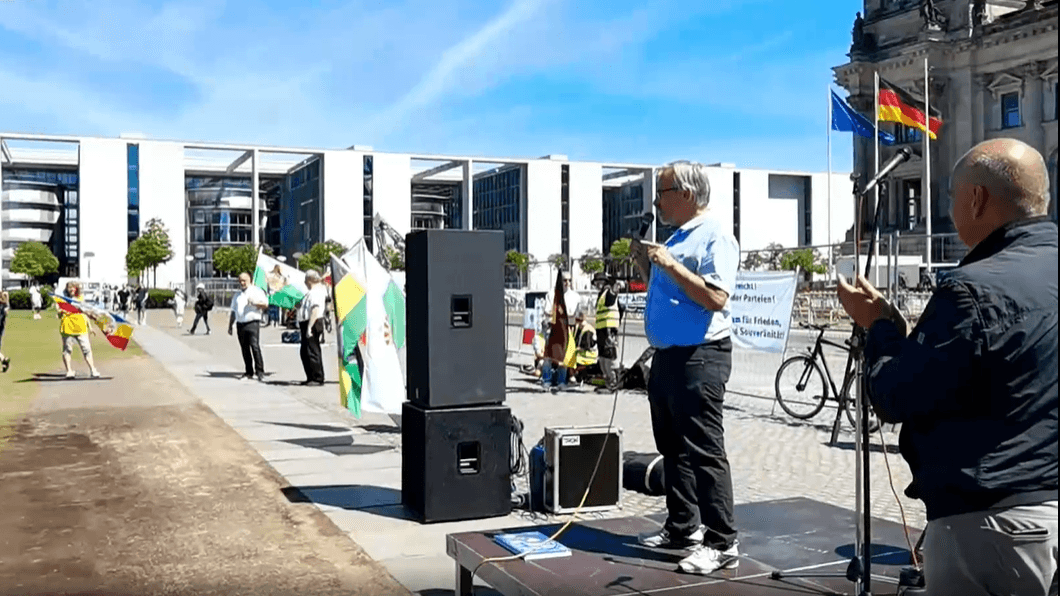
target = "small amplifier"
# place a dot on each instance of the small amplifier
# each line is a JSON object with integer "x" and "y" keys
{"x": 570, "y": 455}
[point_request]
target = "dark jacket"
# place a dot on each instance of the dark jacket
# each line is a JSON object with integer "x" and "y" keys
{"x": 975, "y": 383}
{"x": 203, "y": 303}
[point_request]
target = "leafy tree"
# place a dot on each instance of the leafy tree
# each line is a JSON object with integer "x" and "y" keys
{"x": 135, "y": 260}
{"x": 34, "y": 259}
{"x": 395, "y": 258}
{"x": 592, "y": 261}
{"x": 809, "y": 260}
{"x": 768, "y": 259}
{"x": 319, "y": 256}
{"x": 153, "y": 248}
{"x": 519, "y": 260}
{"x": 233, "y": 260}
{"x": 620, "y": 250}
{"x": 558, "y": 260}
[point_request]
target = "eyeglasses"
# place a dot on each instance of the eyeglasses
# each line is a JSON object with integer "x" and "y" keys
{"x": 659, "y": 193}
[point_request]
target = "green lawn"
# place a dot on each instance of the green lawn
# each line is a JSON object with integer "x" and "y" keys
{"x": 34, "y": 347}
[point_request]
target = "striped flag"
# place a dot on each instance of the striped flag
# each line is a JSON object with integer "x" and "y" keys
{"x": 898, "y": 105}
{"x": 284, "y": 284}
{"x": 117, "y": 330}
{"x": 370, "y": 318}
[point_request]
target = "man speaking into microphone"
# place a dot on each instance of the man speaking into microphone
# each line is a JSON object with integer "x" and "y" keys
{"x": 687, "y": 321}
{"x": 974, "y": 384}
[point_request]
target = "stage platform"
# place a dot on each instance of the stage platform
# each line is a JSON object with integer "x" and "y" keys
{"x": 789, "y": 535}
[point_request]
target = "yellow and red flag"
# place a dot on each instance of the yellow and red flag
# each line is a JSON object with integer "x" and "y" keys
{"x": 117, "y": 330}
{"x": 901, "y": 106}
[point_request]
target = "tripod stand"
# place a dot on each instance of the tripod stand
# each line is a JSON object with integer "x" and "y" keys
{"x": 859, "y": 570}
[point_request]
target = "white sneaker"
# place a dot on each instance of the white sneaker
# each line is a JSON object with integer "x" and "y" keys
{"x": 705, "y": 559}
{"x": 663, "y": 539}
{"x": 70, "y": 374}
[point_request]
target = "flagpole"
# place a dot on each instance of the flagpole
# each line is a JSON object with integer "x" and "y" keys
{"x": 927, "y": 164}
{"x": 831, "y": 273}
{"x": 876, "y": 166}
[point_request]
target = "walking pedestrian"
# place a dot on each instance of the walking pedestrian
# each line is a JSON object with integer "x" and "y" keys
{"x": 203, "y": 306}
{"x": 75, "y": 329}
{"x": 5, "y": 300}
{"x": 311, "y": 328}
{"x": 180, "y": 302}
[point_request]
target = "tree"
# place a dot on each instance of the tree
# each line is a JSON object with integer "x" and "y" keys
{"x": 34, "y": 259}
{"x": 519, "y": 260}
{"x": 395, "y": 258}
{"x": 135, "y": 261}
{"x": 319, "y": 256}
{"x": 154, "y": 248}
{"x": 234, "y": 260}
{"x": 806, "y": 259}
{"x": 621, "y": 257}
{"x": 768, "y": 259}
{"x": 558, "y": 260}
{"x": 592, "y": 261}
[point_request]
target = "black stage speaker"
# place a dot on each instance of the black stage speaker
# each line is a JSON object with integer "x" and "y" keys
{"x": 455, "y": 462}
{"x": 454, "y": 282}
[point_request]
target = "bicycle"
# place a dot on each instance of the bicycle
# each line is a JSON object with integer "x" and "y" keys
{"x": 810, "y": 390}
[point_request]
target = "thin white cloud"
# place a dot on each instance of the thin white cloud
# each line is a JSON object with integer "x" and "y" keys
{"x": 447, "y": 72}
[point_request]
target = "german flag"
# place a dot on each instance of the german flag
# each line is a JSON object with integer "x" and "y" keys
{"x": 901, "y": 106}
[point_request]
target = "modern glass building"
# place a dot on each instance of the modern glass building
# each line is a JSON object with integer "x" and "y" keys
{"x": 41, "y": 206}
{"x": 497, "y": 199}
{"x": 210, "y": 195}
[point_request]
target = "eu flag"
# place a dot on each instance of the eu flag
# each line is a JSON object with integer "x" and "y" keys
{"x": 845, "y": 119}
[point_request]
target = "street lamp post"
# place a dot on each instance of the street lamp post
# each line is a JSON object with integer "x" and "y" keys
{"x": 88, "y": 260}
{"x": 297, "y": 257}
{"x": 191, "y": 278}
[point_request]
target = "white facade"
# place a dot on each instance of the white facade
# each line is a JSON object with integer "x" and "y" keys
{"x": 162, "y": 196}
{"x": 104, "y": 196}
{"x": 772, "y": 205}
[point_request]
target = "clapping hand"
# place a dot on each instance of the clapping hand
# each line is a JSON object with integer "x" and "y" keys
{"x": 865, "y": 304}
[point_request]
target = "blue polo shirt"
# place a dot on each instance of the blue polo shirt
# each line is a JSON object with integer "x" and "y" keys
{"x": 671, "y": 318}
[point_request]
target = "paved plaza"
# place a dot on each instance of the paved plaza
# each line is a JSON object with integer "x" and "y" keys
{"x": 350, "y": 468}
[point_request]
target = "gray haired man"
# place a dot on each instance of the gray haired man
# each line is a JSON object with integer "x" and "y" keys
{"x": 687, "y": 321}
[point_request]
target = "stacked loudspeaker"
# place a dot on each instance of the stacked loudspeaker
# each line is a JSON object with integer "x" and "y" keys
{"x": 455, "y": 428}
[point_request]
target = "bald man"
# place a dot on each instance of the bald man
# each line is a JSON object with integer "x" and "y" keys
{"x": 975, "y": 383}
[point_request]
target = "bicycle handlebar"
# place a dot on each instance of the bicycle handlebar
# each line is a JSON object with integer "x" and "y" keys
{"x": 817, "y": 327}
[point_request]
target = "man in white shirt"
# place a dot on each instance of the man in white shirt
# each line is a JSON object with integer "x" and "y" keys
{"x": 248, "y": 307}
{"x": 311, "y": 327}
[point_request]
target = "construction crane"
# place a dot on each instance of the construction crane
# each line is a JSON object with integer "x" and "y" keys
{"x": 386, "y": 236}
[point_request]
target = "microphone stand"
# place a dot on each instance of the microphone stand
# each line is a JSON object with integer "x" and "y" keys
{"x": 859, "y": 570}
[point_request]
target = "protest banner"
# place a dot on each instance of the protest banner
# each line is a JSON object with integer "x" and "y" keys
{"x": 761, "y": 307}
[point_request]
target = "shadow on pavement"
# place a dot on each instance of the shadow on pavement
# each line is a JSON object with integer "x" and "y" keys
{"x": 382, "y": 429}
{"x": 226, "y": 374}
{"x": 321, "y": 427}
{"x": 873, "y": 447}
{"x": 338, "y": 445}
{"x": 380, "y": 500}
{"x": 50, "y": 377}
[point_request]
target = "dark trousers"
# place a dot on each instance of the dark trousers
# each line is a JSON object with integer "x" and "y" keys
{"x": 201, "y": 316}
{"x": 686, "y": 387}
{"x": 248, "y": 342}
{"x": 310, "y": 352}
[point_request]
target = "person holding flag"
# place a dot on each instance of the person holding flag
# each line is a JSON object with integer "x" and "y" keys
{"x": 563, "y": 306}
{"x": 74, "y": 329}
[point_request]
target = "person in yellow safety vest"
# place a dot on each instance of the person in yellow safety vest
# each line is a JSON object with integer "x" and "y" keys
{"x": 584, "y": 342}
{"x": 609, "y": 313}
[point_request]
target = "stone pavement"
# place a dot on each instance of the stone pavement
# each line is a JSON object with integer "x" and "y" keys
{"x": 351, "y": 468}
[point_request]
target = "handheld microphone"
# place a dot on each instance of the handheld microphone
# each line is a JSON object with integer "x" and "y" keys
{"x": 901, "y": 157}
{"x": 645, "y": 224}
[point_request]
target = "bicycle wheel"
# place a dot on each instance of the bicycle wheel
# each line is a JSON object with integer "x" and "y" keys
{"x": 801, "y": 390}
{"x": 849, "y": 405}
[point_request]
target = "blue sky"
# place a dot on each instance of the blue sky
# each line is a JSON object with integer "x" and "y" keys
{"x": 740, "y": 81}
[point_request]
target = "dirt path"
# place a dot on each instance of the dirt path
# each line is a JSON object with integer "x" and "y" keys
{"x": 130, "y": 486}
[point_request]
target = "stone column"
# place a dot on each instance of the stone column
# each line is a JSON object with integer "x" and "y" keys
{"x": 979, "y": 94}
{"x": 1031, "y": 110}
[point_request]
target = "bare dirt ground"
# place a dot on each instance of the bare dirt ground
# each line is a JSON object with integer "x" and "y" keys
{"x": 131, "y": 486}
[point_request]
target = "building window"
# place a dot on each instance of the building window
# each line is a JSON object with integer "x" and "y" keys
{"x": 911, "y": 202}
{"x": 1010, "y": 110}
{"x": 736, "y": 206}
{"x": 564, "y": 199}
{"x": 907, "y": 134}
{"x": 133, "y": 158}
